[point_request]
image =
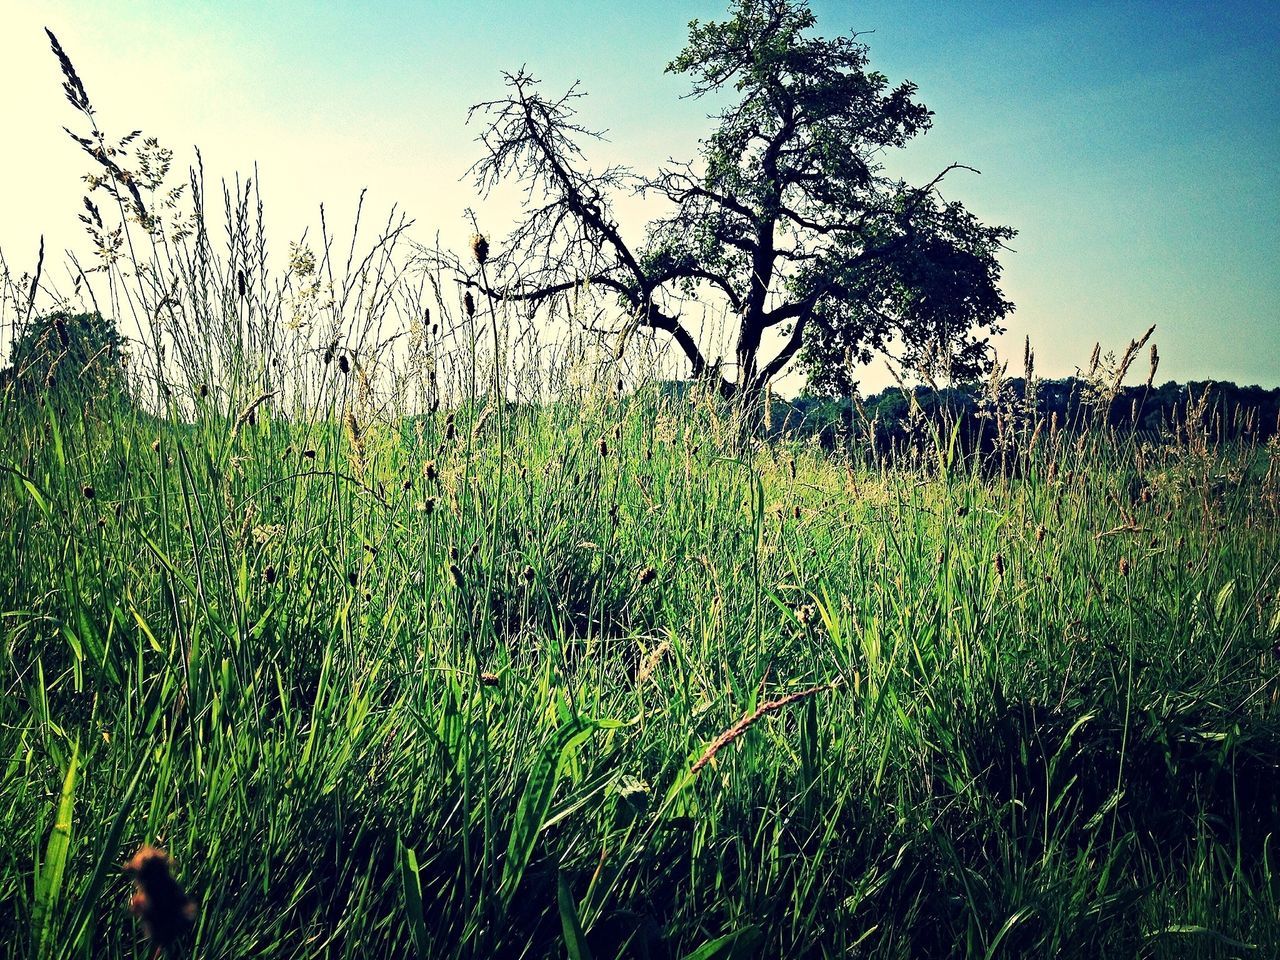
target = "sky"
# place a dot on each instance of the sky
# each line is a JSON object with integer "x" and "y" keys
{"x": 1134, "y": 145}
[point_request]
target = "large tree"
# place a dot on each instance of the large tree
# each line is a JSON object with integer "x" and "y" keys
{"x": 788, "y": 214}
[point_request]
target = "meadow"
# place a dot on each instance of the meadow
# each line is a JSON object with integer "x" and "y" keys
{"x": 406, "y": 632}
{"x": 597, "y": 676}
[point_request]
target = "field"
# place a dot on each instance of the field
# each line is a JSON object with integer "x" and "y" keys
{"x": 597, "y": 677}
{"x": 376, "y": 597}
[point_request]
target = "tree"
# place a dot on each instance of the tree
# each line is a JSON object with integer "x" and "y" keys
{"x": 788, "y": 215}
{"x": 71, "y": 357}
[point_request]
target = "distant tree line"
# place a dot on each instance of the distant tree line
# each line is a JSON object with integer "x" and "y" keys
{"x": 1221, "y": 410}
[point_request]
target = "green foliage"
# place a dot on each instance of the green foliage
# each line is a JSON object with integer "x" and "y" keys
{"x": 1054, "y": 705}
{"x": 69, "y": 358}
{"x": 513, "y": 679}
{"x": 49, "y": 874}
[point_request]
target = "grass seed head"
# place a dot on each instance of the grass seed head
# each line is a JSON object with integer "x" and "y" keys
{"x": 158, "y": 899}
{"x": 651, "y": 662}
{"x": 480, "y": 248}
{"x": 740, "y": 728}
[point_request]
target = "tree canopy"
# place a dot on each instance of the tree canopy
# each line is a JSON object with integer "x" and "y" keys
{"x": 71, "y": 357}
{"x": 788, "y": 213}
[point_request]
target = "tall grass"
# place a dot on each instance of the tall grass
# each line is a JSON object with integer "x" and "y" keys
{"x": 396, "y": 652}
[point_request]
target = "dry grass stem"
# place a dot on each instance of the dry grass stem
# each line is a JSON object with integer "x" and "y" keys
{"x": 740, "y": 728}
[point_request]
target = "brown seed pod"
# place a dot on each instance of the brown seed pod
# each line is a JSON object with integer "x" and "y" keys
{"x": 158, "y": 899}
{"x": 480, "y": 248}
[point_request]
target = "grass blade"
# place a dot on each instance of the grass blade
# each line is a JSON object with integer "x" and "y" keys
{"x": 50, "y": 876}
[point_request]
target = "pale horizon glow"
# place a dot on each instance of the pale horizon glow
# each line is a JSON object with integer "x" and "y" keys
{"x": 1133, "y": 145}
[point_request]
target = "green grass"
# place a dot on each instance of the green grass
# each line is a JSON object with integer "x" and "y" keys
{"x": 370, "y": 712}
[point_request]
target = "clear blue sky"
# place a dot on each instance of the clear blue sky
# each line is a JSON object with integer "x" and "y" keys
{"x": 1136, "y": 146}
